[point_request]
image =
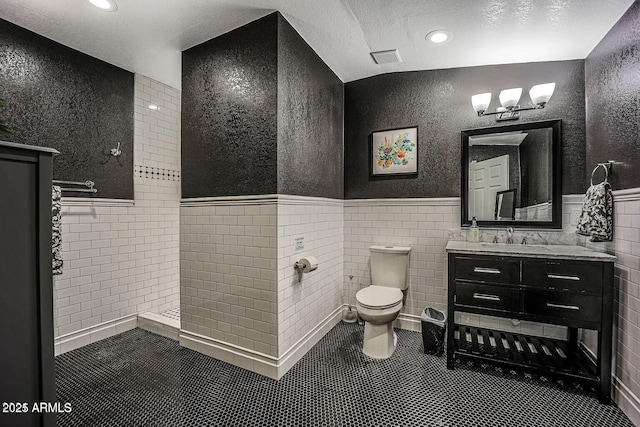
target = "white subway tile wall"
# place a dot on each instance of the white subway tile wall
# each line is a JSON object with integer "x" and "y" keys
{"x": 122, "y": 259}
{"x": 228, "y": 273}
{"x": 423, "y": 224}
{"x": 238, "y": 284}
{"x": 626, "y": 247}
{"x": 157, "y": 129}
{"x": 308, "y": 227}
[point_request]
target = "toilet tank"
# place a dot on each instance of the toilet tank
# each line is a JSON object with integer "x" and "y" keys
{"x": 389, "y": 266}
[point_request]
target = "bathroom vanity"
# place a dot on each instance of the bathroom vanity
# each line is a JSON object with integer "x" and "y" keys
{"x": 554, "y": 284}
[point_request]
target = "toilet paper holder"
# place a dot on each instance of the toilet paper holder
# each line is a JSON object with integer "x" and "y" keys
{"x": 305, "y": 265}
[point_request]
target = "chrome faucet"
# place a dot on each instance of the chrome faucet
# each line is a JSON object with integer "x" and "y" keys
{"x": 509, "y": 235}
{"x": 524, "y": 240}
{"x": 495, "y": 239}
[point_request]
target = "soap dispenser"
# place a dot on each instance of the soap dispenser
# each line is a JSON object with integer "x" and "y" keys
{"x": 474, "y": 231}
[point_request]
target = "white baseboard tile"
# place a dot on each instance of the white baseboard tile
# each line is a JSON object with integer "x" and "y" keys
{"x": 250, "y": 360}
{"x": 300, "y": 348}
{"x": 95, "y": 333}
{"x": 408, "y": 322}
{"x": 624, "y": 398}
{"x": 260, "y": 363}
{"x": 626, "y": 401}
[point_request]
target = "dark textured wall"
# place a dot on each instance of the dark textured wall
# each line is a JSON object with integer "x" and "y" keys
{"x": 229, "y": 113}
{"x": 439, "y": 102}
{"x": 310, "y": 120}
{"x": 61, "y": 98}
{"x": 613, "y": 101}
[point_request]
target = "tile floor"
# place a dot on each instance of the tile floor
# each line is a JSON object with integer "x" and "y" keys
{"x": 141, "y": 379}
{"x": 174, "y": 314}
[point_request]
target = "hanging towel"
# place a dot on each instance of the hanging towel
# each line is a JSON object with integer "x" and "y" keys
{"x": 596, "y": 219}
{"x": 56, "y": 235}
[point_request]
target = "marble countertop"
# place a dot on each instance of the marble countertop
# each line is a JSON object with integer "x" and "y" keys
{"x": 570, "y": 252}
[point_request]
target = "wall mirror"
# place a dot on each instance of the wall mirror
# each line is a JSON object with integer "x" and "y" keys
{"x": 512, "y": 175}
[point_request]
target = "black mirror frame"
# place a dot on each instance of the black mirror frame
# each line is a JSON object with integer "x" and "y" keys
{"x": 556, "y": 150}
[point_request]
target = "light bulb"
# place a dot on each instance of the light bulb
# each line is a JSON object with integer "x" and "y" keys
{"x": 481, "y": 102}
{"x": 541, "y": 94}
{"x": 510, "y": 97}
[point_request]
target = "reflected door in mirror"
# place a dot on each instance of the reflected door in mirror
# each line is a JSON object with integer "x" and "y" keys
{"x": 486, "y": 179}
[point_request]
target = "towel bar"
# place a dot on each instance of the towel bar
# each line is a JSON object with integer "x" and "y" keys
{"x": 607, "y": 168}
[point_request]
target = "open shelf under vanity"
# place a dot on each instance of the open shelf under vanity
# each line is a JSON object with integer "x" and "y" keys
{"x": 546, "y": 356}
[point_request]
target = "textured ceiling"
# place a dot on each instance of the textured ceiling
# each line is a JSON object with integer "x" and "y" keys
{"x": 147, "y": 36}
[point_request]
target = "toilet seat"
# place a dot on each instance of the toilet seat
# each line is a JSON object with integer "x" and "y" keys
{"x": 378, "y": 297}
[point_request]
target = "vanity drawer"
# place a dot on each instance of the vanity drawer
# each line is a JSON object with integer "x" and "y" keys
{"x": 563, "y": 305}
{"x": 503, "y": 298}
{"x": 490, "y": 269}
{"x": 562, "y": 275}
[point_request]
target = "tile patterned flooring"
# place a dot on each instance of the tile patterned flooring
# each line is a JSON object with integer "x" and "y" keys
{"x": 141, "y": 379}
{"x": 174, "y": 314}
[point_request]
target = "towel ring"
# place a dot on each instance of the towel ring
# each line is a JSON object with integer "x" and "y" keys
{"x": 606, "y": 171}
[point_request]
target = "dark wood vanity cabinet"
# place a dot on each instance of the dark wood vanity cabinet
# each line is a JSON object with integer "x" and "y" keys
{"x": 27, "y": 365}
{"x": 563, "y": 289}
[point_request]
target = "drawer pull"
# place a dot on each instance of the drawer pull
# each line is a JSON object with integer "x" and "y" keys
{"x": 562, "y": 277}
{"x": 486, "y": 297}
{"x": 566, "y": 307}
{"x": 486, "y": 270}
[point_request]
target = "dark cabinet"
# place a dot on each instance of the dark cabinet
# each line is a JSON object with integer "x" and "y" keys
{"x": 27, "y": 366}
{"x": 488, "y": 297}
{"x": 563, "y": 289}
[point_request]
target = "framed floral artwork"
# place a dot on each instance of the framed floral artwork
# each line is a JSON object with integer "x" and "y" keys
{"x": 394, "y": 153}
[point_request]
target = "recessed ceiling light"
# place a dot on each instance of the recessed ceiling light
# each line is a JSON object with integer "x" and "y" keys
{"x": 106, "y": 5}
{"x": 438, "y": 36}
{"x": 153, "y": 107}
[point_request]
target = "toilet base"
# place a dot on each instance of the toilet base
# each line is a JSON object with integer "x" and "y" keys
{"x": 379, "y": 340}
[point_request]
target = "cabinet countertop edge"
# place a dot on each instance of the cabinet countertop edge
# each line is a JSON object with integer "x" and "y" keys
{"x": 28, "y": 147}
{"x": 566, "y": 252}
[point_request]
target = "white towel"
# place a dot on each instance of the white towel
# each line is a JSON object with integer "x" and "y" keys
{"x": 56, "y": 234}
{"x": 596, "y": 219}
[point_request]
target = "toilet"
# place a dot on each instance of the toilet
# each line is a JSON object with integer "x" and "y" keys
{"x": 379, "y": 304}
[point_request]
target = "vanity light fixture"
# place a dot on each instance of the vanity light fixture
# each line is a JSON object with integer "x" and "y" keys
{"x": 153, "y": 107}
{"x": 509, "y": 98}
{"x": 106, "y": 5}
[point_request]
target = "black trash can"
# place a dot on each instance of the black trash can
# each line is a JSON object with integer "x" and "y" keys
{"x": 433, "y": 328}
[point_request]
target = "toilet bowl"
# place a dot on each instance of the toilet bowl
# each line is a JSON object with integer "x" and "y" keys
{"x": 379, "y": 304}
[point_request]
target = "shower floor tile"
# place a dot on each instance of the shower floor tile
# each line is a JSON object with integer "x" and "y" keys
{"x": 141, "y": 379}
{"x": 174, "y": 314}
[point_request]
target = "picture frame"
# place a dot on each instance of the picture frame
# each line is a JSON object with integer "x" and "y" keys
{"x": 393, "y": 153}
